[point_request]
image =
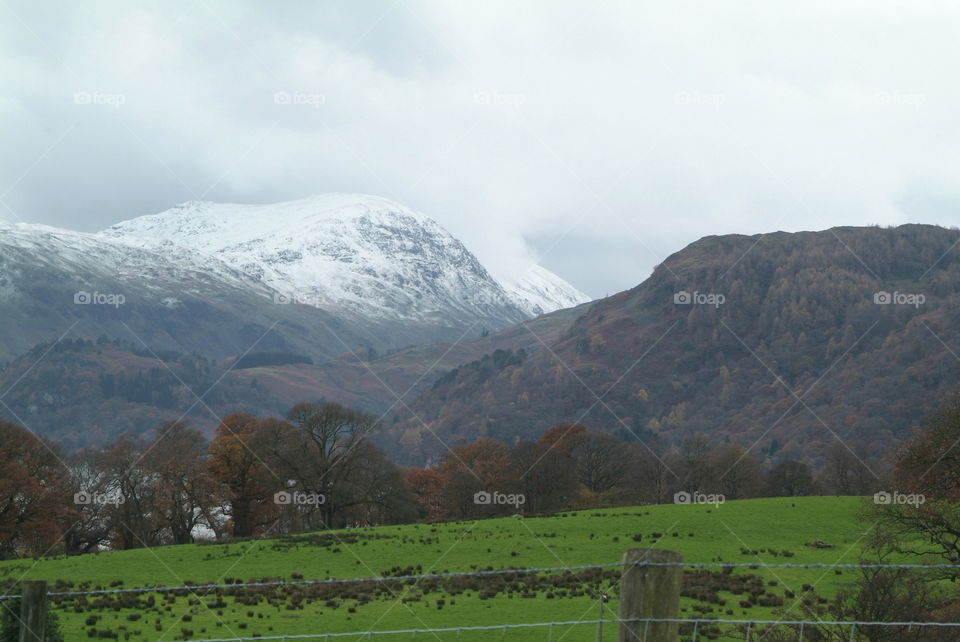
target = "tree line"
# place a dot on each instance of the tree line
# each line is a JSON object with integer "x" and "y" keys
{"x": 319, "y": 468}
{"x": 572, "y": 467}
{"x": 248, "y": 480}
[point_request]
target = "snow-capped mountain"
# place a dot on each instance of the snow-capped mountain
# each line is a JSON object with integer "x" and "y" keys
{"x": 350, "y": 253}
{"x": 538, "y": 291}
{"x": 101, "y": 257}
{"x": 55, "y": 281}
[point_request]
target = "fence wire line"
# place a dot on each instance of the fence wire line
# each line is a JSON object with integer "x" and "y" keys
{"x": 530, "y": 625}
{"x": 508, "y": 571}
{"x": 796, "y": 565}
{"x": 333, "y": 580}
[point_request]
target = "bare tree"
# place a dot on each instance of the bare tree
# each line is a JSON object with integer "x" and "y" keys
{"x": 894, "y": 595}
{"x": 739, "y": 474}
{"x": 928, "y": 468}
{"x": 601, "y": 461}
{"x": 89, "y": 528}
{"x": 324, "y": 453}
{"x": 376, "y": 491}
{"x": 696, "y": 466}
{"x": 544, "y": 475}
{"x": 133, "y": 522}
{"x": 790, "y": 479}
{"x": 652, "y": 473}
{"x": 183, "y": 492}
{"x": 849, "y": 472}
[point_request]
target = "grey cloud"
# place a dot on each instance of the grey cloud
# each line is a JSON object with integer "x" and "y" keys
{"x": 637, "y": 128}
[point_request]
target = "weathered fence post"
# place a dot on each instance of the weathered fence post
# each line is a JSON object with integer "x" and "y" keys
{"x": 602, "y": 599}
{"x": 649, "y": 592}
{"x": 33, "y": 611}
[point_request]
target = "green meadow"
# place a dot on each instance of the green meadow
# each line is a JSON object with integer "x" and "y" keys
{"x": 776, "y": 530}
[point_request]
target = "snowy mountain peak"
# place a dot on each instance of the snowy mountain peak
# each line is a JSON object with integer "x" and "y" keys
{"x": 537, "y": 291}
{"x": 212, "y": 224}
{"x": 351, "y": 252}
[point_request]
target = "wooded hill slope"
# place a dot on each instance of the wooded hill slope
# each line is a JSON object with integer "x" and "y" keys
{"x": 785, "y": 339}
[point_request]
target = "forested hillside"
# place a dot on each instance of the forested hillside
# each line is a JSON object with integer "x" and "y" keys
{"x": 782, "y": 339}
{"x": 86, "y": 391}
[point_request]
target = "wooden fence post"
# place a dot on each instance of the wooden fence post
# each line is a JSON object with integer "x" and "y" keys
{"x": 33, "y": 611}
{"x": 650, "y": 592}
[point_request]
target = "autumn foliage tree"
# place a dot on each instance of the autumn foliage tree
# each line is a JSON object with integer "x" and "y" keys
{"x": 563, "y": 437}
{"x": 236, "y": 462}
{"x": 483, "y": 465}
{"x": 32, "y": 493}
{"x": 427, "y": 484}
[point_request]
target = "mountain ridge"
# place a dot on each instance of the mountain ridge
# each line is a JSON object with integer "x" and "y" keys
{"x": 363, "y": 254}
{"x": 804, "y": 315}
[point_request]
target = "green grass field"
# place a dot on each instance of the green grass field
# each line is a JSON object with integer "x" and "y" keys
{"x": 759, "y": 530}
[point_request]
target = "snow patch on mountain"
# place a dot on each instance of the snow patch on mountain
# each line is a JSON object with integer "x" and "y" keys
{"x": 538, "y": 291}
{"x": 93, "y": 257}
{"x": 348, "y": 252}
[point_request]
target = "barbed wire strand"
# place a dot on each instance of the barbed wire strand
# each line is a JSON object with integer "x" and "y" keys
{"x": 507, "y": 571}
{"x": 796, "y": 565}
{"x": 529, "y": 625}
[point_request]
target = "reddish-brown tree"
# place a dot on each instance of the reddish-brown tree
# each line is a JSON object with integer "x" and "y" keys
{"x": 237, "y": 462}
{"x": 563, "y": 437}
{"x": 427, "y": 487}
{"x": 483, "y": 465}
{"x": 33, "y": 505}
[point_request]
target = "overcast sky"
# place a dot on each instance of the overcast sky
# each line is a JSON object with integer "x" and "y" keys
{"x": 594, "y": 138}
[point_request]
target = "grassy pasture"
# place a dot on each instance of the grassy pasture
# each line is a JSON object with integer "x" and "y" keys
{"x": 759, "y": 530}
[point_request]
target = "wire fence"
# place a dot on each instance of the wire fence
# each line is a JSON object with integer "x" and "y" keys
{"x": 696, "y": 629}
{"x": 187, "y": 588}
{"x": 688, "y": 628}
